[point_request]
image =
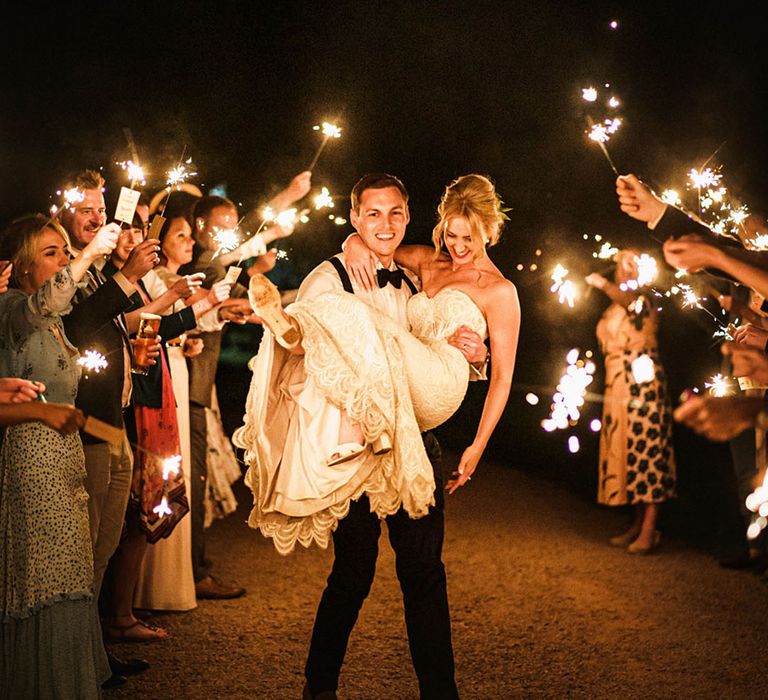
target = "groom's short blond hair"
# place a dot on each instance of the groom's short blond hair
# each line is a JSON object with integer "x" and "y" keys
{"x": 376, "y": 181}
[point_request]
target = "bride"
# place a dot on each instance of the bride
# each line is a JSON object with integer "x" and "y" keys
{"x": 355, "y": 373}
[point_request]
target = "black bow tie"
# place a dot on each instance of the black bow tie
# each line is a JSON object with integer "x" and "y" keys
{"x": 393, "y": 277}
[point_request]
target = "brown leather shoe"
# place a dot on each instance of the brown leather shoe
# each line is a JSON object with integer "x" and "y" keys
{"x": 306, "y": 694}
{"x": 213, "y": 589}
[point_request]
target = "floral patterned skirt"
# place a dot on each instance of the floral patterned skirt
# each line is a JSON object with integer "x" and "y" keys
{"x": 637, "y": 462}
{"x": 158, "y": 495}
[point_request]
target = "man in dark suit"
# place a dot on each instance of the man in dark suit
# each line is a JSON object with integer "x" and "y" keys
{"x": 96, "y": 322}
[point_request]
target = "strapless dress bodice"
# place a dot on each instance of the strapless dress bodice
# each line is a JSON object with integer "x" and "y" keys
{"x": 437, "y": 317}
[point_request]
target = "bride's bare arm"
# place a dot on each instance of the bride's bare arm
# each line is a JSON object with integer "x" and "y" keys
{"x": 503, "y": 318}
{"x": 413, "y": 257}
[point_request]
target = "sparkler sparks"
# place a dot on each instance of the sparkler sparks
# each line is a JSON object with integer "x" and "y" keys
{"x": 647, "y": 269}
{"x": 643, "y": 369}
{"x": 171, "y": 466}
{"x": 162, "y": 509}
{"x": 227, "y": 239}
{"x": 93, "y": 361}
{"x": 589, "y": 94}
{"x": 757, "y": 502}
{"x": 606, "y": 252}
{"x": 134, "y": 171}
{"x": 324, "y": 199}
{"x": 569, "y": 397}
{"x": 176, "y": 176}
{"x": 601, "y": 133}
{"x": 329, "y": 131}
{"x": 563, "y": 287}
{"x": 671, "y": 197}
{"x": 718, "y": 385}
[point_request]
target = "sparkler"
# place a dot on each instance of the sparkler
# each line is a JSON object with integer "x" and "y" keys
{"x": 330, "y": 131}
{"x": 643, "y": 369}
{"x": 162, "y": 509}
{"x": 70, "y": 197}
{"x": 601, "y": 132}
{"x": 647, "y": 269}
{"x": 606, "y": 252}
{"x": 324, "y": 200}
{"x": 134, "y": 171}
{"x": 757, "y": 502}
{"x": 227, "y": 239}
{"x": 571, "y": 389}
{"x": 179, "y": 174}
{"x": 171, "y": 466}
{"x": 718, "y": 385}
{"x": 93, "y": 361}
{"x": 563, "y": 287}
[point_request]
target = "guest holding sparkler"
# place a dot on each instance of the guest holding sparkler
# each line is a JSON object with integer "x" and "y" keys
{"x": 158, "y": 496}
{"x": 51, "y": 643}
{"x": 96, "y": 321}
{"x": 213, "y": 215}
{"x": 637, "y": 465}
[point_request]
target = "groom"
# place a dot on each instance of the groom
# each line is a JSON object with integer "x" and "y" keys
{"x": 380, "y": 215}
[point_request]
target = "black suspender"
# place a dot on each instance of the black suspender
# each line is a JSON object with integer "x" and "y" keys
{"x": 347, "y": 283}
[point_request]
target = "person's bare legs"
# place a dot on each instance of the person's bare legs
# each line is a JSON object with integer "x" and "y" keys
{"x": 124, "y": 575}
{"x": 634, "y": 530}
{"x": 647, "y": 536}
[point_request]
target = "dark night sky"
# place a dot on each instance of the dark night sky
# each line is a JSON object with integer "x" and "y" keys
{"x": 427, "y": 91}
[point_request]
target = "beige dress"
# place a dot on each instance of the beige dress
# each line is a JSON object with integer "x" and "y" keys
{"x": 637, "y": 463}
{"x": 165, "y": 579}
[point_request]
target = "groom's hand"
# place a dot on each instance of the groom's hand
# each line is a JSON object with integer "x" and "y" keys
{"x": 470, "y": 344}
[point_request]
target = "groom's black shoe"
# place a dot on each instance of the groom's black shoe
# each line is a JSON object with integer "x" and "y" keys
{"x": 306, "y": 694}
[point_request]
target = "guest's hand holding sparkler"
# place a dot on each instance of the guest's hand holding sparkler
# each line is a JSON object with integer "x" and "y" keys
{"x": 103, "y": 243}
{"x": 751, "y": 335}
{"x": 141, "y": 260}
{"x": 638, "y": 201}
{"x": 596, "y": 281}
{"x": 297, "y": 189}
{"x": 719, "y": 418}
{"x": 747, "y": 361}
{"x": 237, "y": 311}
{"x": 14, "y": 390}
{"x": 692, "y": 253}
{"x": 61, "y": 417}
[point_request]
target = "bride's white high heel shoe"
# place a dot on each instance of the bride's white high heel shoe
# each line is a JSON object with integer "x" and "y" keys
{"x": 348, "y": 451}
{"x": 265, "y": 302}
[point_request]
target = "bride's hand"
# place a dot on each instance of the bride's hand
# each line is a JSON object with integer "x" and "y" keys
{"x": 467, "y": 465}
{"x": 360, "y": 263}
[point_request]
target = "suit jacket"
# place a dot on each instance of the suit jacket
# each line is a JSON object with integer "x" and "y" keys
{"x": 96, "y": 322}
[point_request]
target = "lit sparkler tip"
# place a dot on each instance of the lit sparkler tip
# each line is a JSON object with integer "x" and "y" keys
{"x": 671, "y": 197}
{"x": 324, "y": 199}
{"x": 573, "y": 444}
{"x": 702, "y": 179}
{"x": 176, "y": 176}
{"x": 718, "y": 385}
{"x": 171, "y": 466}
{"x": 227, "y": 239}
{"x": 93, "y": 361}
{"x": 589, "y": 94}
{"x": 328, "y": 129}
{"x": 643, "y": 369}
{"x": 134, "y": 171}
{"x": 162, "y": 509}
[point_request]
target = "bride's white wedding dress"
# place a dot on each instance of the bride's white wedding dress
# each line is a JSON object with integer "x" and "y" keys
{"x": 386, "y": 379}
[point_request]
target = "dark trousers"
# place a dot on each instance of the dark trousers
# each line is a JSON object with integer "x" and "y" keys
{"x": 199, "y": 469}
{"x": 418, "y": 547}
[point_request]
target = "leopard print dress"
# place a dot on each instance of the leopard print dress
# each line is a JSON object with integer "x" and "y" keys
{"x": 637, "y": 462}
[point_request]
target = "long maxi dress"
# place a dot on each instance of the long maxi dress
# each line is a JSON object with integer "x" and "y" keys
{"x": 50, "y": 639}
{"x": 637, "y": 462}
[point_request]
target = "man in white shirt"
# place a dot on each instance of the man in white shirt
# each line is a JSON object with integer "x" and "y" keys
{"x": 380, "y": 216}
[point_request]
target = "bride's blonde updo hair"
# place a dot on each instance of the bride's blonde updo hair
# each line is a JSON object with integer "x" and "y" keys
{"x": 471, "y": 197}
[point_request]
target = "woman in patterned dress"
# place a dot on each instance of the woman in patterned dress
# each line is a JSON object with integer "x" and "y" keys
{"x": 50, "y": 640}
{"x": 637, "y": 463}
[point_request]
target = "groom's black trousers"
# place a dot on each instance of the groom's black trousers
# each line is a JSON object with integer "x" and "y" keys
{"x": 418, "y": 547}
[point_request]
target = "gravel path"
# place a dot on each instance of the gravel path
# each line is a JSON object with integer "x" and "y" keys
{"x": 541, "y": 607}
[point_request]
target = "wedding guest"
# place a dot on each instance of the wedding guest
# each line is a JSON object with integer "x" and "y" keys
{"x": 211, "y": 214}
{"x": 158, "y": 497}
{"x": 96, "y": 322}
{"x": 50, "y": 645}
{"x": 636, "y": 463}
